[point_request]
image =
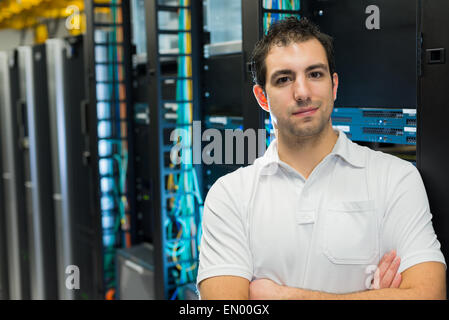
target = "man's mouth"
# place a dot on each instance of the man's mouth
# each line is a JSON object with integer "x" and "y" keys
{"x": 305, "y": 112}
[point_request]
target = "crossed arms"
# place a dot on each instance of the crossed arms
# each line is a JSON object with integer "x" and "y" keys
{"x": 423, "y": 281}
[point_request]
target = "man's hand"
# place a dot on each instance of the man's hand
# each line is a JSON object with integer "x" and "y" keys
{"x": 386, "y": 276}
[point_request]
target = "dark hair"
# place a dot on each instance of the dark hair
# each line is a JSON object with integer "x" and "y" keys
{"x": 283, "y": 33}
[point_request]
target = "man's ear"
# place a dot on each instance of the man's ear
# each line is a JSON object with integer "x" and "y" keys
{"x": 261, "y": 98}
{"x": 335, "y": 85}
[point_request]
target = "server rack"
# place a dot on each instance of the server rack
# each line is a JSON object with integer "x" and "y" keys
{"x": 110, "y": 131}
{"x": 74, "y": 231}
{"x": 175, "y": 189}
{"x": 12, "y": 175}
{"x": 432, "y": 149}
{"x": 37, "y": 171}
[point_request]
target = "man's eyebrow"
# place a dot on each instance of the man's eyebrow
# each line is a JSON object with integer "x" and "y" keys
{"x": 281, "y": 72}
{"x": 317, "y": 66}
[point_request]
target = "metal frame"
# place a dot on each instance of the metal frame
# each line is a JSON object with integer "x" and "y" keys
{"x": 131, "y": 184}
{"x": 91, "y": 152}
{"x": 156, "y": 144}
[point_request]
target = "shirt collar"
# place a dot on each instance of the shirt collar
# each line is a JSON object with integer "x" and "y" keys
{"x": 343, "y": 148}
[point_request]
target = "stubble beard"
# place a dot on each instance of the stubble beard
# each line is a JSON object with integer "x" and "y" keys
{"x": 307, "y": 127}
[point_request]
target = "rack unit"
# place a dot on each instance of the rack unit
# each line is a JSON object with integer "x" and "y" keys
{"x": 175, "y": 189}
{"x": 109, "y": 128}
{"x": 397, "y": 126}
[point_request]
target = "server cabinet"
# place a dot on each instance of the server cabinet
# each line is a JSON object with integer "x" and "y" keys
{"x": 35, "y": 138}
{"x": 176, "y": 198}
{"x": 74, "y": 233}
{"x": 12, "y": 174}
{"x": 433, "y": 114}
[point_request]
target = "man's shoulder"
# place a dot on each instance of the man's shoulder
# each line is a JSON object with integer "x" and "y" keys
{"x": 240, "y": 176}
{"x": 235, "y": 183}
{"x": 383, "y": 163}
{"x": 381, "y": 158}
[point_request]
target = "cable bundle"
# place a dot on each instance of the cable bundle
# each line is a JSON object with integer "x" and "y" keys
{"x": 182, "y": 223}
{"x": 271, "y": 17}
{"x": 112, "y": 143}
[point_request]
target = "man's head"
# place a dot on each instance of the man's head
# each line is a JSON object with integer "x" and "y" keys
{"x": 294, "y": 72}
{"x": 283, "y": 33}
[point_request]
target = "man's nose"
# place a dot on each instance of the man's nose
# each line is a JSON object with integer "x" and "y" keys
{"x": 301, "y": 89}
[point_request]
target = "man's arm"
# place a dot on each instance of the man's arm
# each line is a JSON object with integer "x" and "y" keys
{"x": 225, "y": 260}
{"x": 238, "y": 288}
{"x": 224, "y": 288}
{"x": 421, "y": 282}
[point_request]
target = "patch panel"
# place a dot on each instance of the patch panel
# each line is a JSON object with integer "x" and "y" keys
{"x": 377, "y": 125}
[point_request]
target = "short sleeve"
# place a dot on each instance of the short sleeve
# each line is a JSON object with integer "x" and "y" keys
{"x": 224, "y": 248}
{"x": 407, "y": 224}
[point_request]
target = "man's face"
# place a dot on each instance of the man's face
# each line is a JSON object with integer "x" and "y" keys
{"x": 299, "y": 89}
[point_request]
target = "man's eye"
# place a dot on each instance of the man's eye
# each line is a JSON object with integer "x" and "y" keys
{"x": 316, "y": 75}
{"x": 282, "y": 80}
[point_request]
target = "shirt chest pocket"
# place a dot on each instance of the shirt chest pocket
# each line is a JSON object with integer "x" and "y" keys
{"x": 350, "y": 232}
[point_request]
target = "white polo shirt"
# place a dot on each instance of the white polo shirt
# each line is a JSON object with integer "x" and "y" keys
{"x": 325, "y": 233}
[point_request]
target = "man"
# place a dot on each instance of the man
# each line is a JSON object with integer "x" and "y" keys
{"x": 315, "y": 216}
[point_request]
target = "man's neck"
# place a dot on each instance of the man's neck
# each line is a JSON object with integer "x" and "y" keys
{"x": 304, "y": 154}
